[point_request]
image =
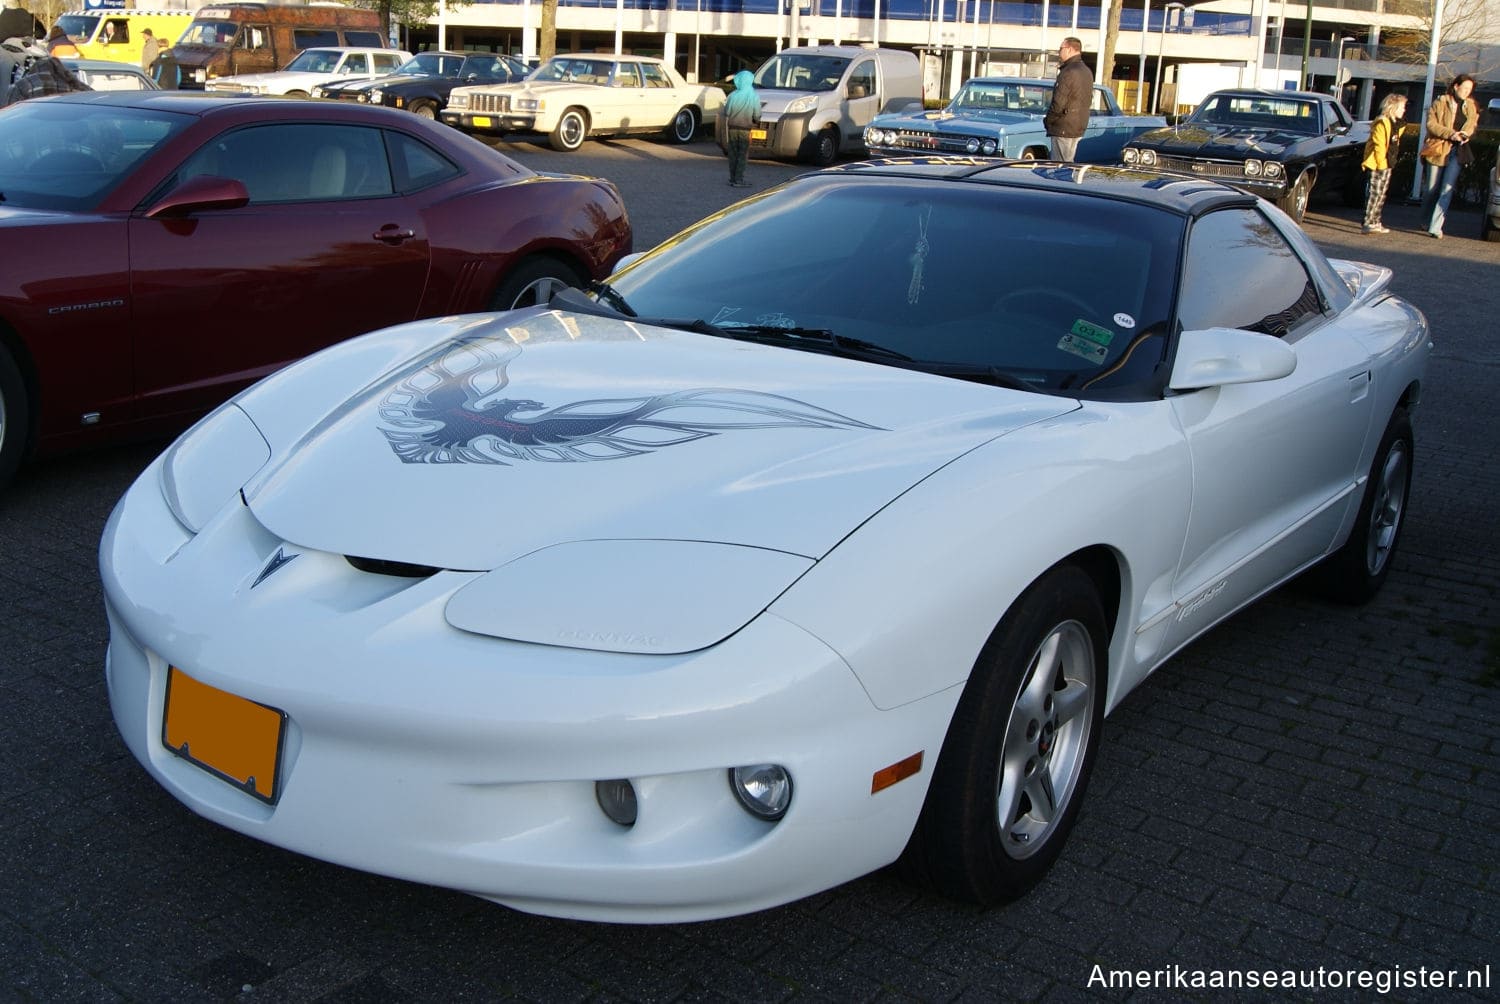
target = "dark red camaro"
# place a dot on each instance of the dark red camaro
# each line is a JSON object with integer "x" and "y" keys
{"x": 161, "y": 250}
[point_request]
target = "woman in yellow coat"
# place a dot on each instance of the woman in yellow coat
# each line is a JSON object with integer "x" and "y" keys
{"x": 1380, "y": 156}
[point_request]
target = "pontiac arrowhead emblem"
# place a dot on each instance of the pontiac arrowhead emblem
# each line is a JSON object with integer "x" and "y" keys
{"x": 278, "y": 560}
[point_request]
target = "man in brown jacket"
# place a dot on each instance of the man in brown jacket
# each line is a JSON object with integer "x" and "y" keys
{"x": 1072, "y": 95}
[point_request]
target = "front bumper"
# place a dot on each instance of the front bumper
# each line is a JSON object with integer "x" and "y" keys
{"x": 430, "y": 754}
{"x": 492, "y": 123}
{"x": 780, "y": 137}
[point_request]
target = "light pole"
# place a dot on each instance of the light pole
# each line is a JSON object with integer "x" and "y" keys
{"x": 1161, "y": 46}
{"x": 1338, "y": 70}
{"x": 1140, "y": 78}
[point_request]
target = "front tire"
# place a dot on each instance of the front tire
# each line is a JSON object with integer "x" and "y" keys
{"x": 14, "y": 418}
{"x": 532, "y": 283}
{"x": 1016, "y": 761}
{"x": 1294, "y": 202}
{"x": 425, "y": 110}
{"x": 1355, "y": 572}
{"x": 570, "y": 132}
{"x": 821, "y": 148}
{"x": 684, "y": 126}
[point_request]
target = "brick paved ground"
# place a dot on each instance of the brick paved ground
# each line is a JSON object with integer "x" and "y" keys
{"x": 1309, "y": 786}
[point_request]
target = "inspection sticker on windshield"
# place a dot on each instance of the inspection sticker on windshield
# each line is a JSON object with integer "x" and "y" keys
{"x": 1125, "y": 321}
{"x": 1087, "y": 340}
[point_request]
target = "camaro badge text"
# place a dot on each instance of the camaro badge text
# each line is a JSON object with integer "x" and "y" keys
{"x": 453, "y": 411}
{"x": 278, "y": 561}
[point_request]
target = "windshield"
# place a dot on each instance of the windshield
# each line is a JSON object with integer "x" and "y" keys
{"x": 801, "y": 72}
{"x": 209, "y": 33}
{"x": 68, "y": 156}
{"x": 575, "y": 70}
{"x": 431, "y": 64}
{"x": 978, "y": 97}
{"x": 1054, "y": 290}
{"x": 1254, "y": 111}
{"x": 80, "y": 27}
{"x": 316, "y": 61}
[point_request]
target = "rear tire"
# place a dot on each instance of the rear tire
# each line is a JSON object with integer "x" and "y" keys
{"x": 684, "y": 126}
{"x": 1355, "y": 572}
{"x": 1016, "y": 760}
{"x": 297, "y": 94}
{"x": 570, "y": 132}
{"x": 532, "y": 283}
{"x": 14, "y": 418}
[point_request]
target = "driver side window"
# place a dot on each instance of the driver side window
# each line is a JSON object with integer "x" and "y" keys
{"x": 1241, "y": 273}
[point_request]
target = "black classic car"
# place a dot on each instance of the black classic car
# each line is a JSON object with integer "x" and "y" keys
{"x": 1285, "y": 146}
{"x": 422, "y": 84}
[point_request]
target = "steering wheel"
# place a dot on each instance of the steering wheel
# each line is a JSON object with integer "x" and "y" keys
{"x": 1022, "y": 300}
{"x": 73, "y": 161}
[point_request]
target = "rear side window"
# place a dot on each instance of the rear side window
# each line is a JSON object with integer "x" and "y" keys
{"x": 655, "y": 75}
{"x": 416, "y": 164}
{"x": 307, "y": 38}
{"x": 255, "y": 36}
{"x": 1241, "y": 273}
{"x": 368, "y": 39}
{"x": 298, "y": 162}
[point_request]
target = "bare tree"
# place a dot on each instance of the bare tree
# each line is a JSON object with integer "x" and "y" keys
{"x": 48, "y": 11}
{"x": 547, "y": 44}
{"x": 1106, "y": 69}
{"x": 1467, "y": 33}
{"x": 407, "y": 12}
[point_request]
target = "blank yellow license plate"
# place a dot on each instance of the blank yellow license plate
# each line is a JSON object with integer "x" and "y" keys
{"x": 234, "y": 739}
{"x": 483, "y": 121}
{"x": 757, "y": 134}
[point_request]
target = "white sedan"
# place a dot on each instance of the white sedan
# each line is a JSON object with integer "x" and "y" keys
{"x": 313, "y": 67}
{"x": 572, "y": 97}
{"x": 771, "y": 562}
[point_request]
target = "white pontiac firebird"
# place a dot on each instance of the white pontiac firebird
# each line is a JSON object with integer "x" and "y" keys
{"x": 824, "y": 535}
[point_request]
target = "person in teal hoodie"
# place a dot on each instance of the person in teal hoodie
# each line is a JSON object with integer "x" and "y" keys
{"x": 741, "y": 113}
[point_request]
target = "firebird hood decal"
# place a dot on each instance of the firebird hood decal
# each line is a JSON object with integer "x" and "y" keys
{"x": 451, "y": 412}
{"x": 494, "y": 436}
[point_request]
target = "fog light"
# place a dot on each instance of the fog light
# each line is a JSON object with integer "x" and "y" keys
{"x": 765, "y": 790}
{"x": 617, "y": 799}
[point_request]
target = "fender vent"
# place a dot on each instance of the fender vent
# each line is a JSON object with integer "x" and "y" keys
{"x": 401, "y": 569}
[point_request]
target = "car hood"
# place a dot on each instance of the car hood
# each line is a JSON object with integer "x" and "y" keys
{"x": 1223, "y": 142}
{"x": 391, "y": 80}
{"x": 505, "y": 433}
{"x": 979, "y": 123}
{"x": 278, "y": 76}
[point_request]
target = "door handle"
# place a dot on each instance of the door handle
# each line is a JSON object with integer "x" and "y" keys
{"x": 1359, "y": 386}
{"x": 393, "y": 233}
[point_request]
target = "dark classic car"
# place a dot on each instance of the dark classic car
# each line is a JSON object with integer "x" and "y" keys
{"x": 1002, "y": 117}
{"x": 166, "y": 249}
{"x": 422, "y": 85}
{"x": 1285, "y": 146}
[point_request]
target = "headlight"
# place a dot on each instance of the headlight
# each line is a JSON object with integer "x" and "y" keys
{"x": 988, "y": 147}
{"x": 1148, "y": 158}
{"x": 210, "y": 463}
{"x": 765, "y": 790}
{"x": 456, "y": 100}
{"x": 319, "y": 92}
{"x": 971, "y": 146}
{"x": 1130, "y": 155}
{"x": 802, "y": 104}
{"x": 375, "y": 96}
{"x": 872, "y": 136}
{"x": 200, "y": 75}
{"x": 530, "y": 104}
{"x": 625, "y": 595}
{"x": 1272, "y": 170}
{"x": 1252, "y": 169}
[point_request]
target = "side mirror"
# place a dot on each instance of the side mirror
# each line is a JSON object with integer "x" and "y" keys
{"x": 857, "y": 91}
{"x": 195, "y": 195}
{"x": 1213, "y": 357}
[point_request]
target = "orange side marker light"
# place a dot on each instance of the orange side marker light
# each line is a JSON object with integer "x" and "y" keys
{"x": 898, "y": 771}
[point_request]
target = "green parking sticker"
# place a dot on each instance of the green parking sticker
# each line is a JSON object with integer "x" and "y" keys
{"x": 1092, "y": 351}
{"x": 1094, "y": 333}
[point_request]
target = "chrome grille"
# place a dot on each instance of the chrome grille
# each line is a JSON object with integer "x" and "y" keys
{"x": 1206, "y": 168}
{"x": 482, "y": 102}
{"x": 910, "y": 139}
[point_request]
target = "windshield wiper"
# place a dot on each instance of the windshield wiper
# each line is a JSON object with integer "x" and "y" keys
{"x": 976, "y": 372}
{"x": 612, "y": 296}
{"x": 815, "y": 339}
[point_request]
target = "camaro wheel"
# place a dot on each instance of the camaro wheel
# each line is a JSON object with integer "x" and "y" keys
{"x": 1294, "y": 202}
{"x": 12, "y": 417}
{"x": 533, "y": 282}
{"x": 1355, "y": 572}
{"x": 572, "y": 129}
{"x": 1017, "y": 756}
{"x": 684, "y": 126}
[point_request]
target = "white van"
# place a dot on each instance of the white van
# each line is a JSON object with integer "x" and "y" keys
{"x": 816, "y": 100}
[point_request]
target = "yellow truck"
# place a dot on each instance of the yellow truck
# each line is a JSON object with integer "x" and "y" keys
{"x": 118, "y": 33}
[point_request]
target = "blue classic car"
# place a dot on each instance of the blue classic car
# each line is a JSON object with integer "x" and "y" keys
{"x": 1288, "y": 147}
{"x": 1002, "y": 117}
